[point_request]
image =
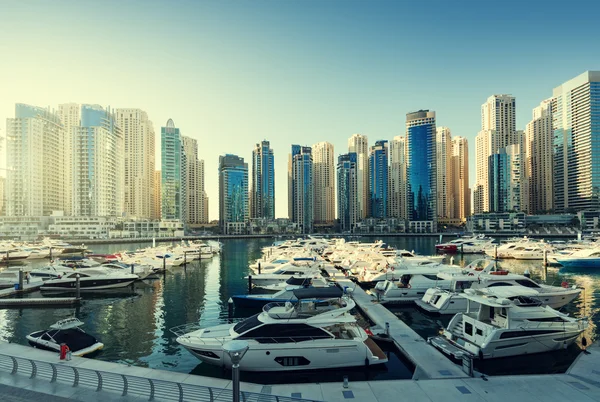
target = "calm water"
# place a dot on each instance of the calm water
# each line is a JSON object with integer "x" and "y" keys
{"x": 134, "y": 323}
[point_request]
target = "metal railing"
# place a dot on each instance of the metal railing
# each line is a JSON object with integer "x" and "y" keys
{"x": 127, "y": 385}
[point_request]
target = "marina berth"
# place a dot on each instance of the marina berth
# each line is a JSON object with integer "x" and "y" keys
{"x": 503, "y": 325}
{"x": 305, "y": 335}
{"x": 68, "y": 332}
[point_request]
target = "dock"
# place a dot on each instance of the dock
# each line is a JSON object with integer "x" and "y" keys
{"x": 27, "y": 287}
{"x": 39, "y": 302}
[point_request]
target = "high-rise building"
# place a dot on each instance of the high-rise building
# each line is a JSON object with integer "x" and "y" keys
{"x": 378, "y": 180}
{"x": 262, "y": 193}
{"x": 138, "y": 137}
{"x": 421, "y": 169}
{"x": 498, "y": 130}
{"x": 347, "y": 201}
{"x": 576, "y": 125}
{"x": 505, "y": 179}
{"x": 359, "y": 144}
{"x": 195, "y": 196}
{"x": 460, "y": 199}
{"x": 443, "y": 154}
{"x": 70, "y": 117}
{"x": 539, "y": 139}
{"x": 397, "y": 190}
{"x": 301, "y": 187}
{"x": 2, "y": 196}
{"x": 36, "y": 182}
{"x": 98, "y": 173}
{"x": 156, "y": 205}
{"x": 172, "y": 173}
{"x": 324, "y": 182}
{"x": 233, "y": 194}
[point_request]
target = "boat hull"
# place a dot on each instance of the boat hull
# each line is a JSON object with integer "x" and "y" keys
{"x": 85, "y": 284}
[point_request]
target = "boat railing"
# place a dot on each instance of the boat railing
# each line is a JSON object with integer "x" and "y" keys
{"x": 287, "y": 339}
{"x": 125, "y": 385}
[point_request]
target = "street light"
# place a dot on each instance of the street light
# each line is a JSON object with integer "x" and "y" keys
{"x": 236, "y": 351}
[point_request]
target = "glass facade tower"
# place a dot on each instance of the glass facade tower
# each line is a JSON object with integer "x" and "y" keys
{"x": 233, "y": 194}
{"x": 421, "y": 166}
{"x": 301, "y": 187}
{"x": 262, "y": 194}
{"x": 378, "y": 180}
{"x": 347, "y": 182}
{"x": 172, "y": 173}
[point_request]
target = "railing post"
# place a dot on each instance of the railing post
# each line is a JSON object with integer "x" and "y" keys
{"x": 125, "y": 385}
{"x": 151, "y": 390}
{"x": 76, "y": 379}
{"x": 15, "y": 365}
{"x": 54, "y": 372}
{"x": 99, "y": 381}
{"x": 211, "y": 394}
{"x": 180, "y": 392}
{"x": 33, "y": 368}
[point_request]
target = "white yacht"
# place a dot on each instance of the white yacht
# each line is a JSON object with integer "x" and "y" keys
{"x": 411, "y": 286}
{"x": 500, "y": 327}
{"x": 307, "y": 335}
{"x": 91, "y": 279}
{"x": 453, "y": 301}
{"x": 283, "y": 274}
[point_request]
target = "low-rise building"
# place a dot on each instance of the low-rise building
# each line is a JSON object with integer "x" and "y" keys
{"x": 81, "y": 227}
{"x": 272, "y": 226}
{"x": 146, "y": 228}
{"x": 376, "y": 225}
{"x": 497, "y": 222}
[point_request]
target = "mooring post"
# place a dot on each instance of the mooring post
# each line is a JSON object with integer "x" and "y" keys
{"x": 545, "y": 257}
{"x": 462, "y": 247}
{"x": 259, "y": 267}
{"x": 495, "y": 252}
{"x": 50, "y": 255}
{"x": 132, "y": 268}
{"x": 21, "y": 279}
{"x": 77, "y": 287}
{"x": 249, "y": 284}
{"x": 82, "y": 250}
{"x": 230, "y": 309}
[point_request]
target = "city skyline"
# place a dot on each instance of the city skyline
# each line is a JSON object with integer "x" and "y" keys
{"x": 308, "y": 84}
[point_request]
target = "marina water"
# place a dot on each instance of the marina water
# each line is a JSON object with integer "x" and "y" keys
{"x": 134, "y": 323}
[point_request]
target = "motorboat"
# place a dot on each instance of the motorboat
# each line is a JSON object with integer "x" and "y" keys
{"x": 91, "y": 279}
{"x": 52, "y": 271}
{"x": 142, "y": 271}
{"x": 69, "y": 332}
{"x": 587, "y": 259}
{"x": 282, "y": 275}
{"x": 467, "y": 245}
{"x": 531, "y": 252}
{"x": 442, "y": 301}
{"x": 13, "y": 254}
{"x": 282, "y": 296}
{"x": 501, "y": 327}
{"x": 305, "y": 335}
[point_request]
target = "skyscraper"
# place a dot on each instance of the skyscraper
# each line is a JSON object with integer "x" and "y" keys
{"x": 2, "y": 196}
{"x": 172, "y": 173}
{"x": 459, "y": 179}
{"x": 576, "y": 125}
{"x": 359, "y": 144}
{"x": 347, "y": 172}
{"x": 195, "y": 196}
{"x": 324, "y": 182}
{"x": 378, "y": 180}
{"x": 301, "y": 187}
{"x": 505, "y": 179}
{"x": 421, "y": 169}
{"x": 156, "y": 205}
{"x": 98, "y": 164}
{"x": 70, "y": 117}
{"x": 539, "y": 161}
{"x": 397, "y": 190}
{"x": 138, "y": 137}
{"x": 262, "y": 193}
{"x": 233, "y": 194}
{"x": 36, "y": 162}
{"x": 443, "y": 187}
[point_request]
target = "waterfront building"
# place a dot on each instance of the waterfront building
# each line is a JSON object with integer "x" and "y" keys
{"x": 576, "y": 125}
{"x": 98, "y": 164}
{"x": 139, "y": 161}
{"x": 196, "y": 201}
{"x": 301, "y": 187}
{"x": 172, "y": 173}
{"x": 324, "y": 183}
{"x": 505, "y": 176}
{"x": 36, "y": 162}
{"x": 22, "y": 227}
{"x": 156, "y": 205}
{"x": 359, "y": 144}
{"x": 82, "y": 227}
{"x": 147, "y": 229}
{"x": 421, "y": 170}
{"x": 70, "y": 117}
{"x": 497, "y": 222}
{"x": 272, "y": 226}
{"x": 347, "y": 200}
{"x": 397, "y": 178}
{"x": 460, "y": 198}
{"x": 539, "y": 139}
{"x": 2, "y": 196}
{"x": 378, "y": 180}
{"x": 262, "y": 193}
{"x": 443, "y": 186}
{"x": 233, "y": 194}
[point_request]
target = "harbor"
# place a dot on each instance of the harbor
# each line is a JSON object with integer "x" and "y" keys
{"x": 133, "y": 322}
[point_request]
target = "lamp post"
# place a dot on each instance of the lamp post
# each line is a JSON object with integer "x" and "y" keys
{"x": 236, "y": 351}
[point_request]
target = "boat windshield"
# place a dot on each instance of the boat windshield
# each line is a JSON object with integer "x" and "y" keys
{"x": 247, "y": 324}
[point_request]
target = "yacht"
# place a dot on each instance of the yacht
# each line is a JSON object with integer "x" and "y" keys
{"x": 283, "y": 274}
{"x": 66, "y": 331}
{"x": 467, "y": 245}
{"x": 52, "y": 271}
{"x": 91, "y": 279}
{"x": 453, "y": 301}
{"x": 531, "y": 252}
{"x": 282, "y": 296}
{"x": 501, "y": 327}
{"x": 589, "y": 258}
{"x": 305, "y": 335}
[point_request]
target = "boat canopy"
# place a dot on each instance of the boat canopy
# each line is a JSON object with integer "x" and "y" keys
{"x": 298, "y": 281}
{"x": 67, "y": 323}
{"x": 318, "y": 293}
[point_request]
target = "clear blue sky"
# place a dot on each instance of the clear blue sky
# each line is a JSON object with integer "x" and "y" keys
{"x": 233, "y": 73}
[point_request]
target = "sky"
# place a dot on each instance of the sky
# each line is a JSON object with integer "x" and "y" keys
{"x": 232, "y": 73}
